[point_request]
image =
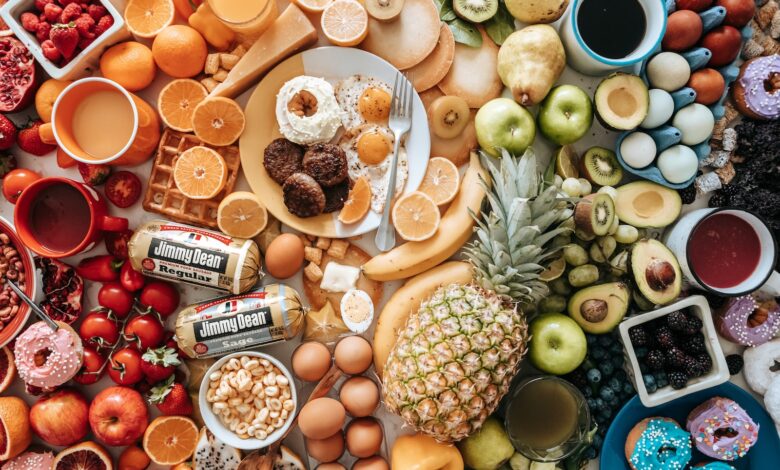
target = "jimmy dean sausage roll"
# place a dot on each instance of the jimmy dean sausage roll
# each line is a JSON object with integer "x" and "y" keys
{"x": 236, "y": 323}
{"x": 178, "y": 252}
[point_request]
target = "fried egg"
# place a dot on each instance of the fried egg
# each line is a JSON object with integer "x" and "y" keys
{"x": 363, "y": 100}
{"x": 369, "y": 150}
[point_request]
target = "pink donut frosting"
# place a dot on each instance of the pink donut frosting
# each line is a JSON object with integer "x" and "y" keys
{"x": 47, "y": 358}
{"x": 734, "y": 320}
{"x": 761, "y": 82}
{"x": 31, "y": 461}
{"x": 722, "y": 429}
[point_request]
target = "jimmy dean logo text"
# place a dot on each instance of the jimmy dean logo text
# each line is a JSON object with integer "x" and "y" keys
{"x": 228, "y": 326}
{"x": 197, "y": 257}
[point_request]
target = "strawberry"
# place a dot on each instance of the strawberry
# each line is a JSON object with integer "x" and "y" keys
{"x": 7, "y": 133}
{"x": 104, "y": 24}
{"x": 171, "y": 398}
{"x": 65, "y": 39}
{"x": 52, "y": 12}
{"x": 41, "y": 4}
{"x": 94, "y": 175}
{"x": 159, "y": 364}
{"x": 85, "y": 25}
{"x": 7, "y": 164}
{"x": 97, "y": 12}
{"x": 70, "y": 13}
{"x": 68, "y": 2}
{"x": 44, "y": 29}
{"x": 30, "y": 21}
{"x": 50, "y": 51}
{"x": 85, "y": 43}
{"x": 30, "y": 141}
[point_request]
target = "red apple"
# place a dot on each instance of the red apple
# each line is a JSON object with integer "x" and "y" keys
{"x": 60, "y": 419}
{"x": 724, "y": 42}
{"x": 738, "y": 12}
{"x": 118, "y": 416}
{"x": 695, "y": 5}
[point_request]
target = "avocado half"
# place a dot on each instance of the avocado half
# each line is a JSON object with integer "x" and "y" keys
{"x": 622, "y": 101}
{"x": 599, "y": 309}
{"x": 656, "y": 271}
{"x": 647, "y": 204}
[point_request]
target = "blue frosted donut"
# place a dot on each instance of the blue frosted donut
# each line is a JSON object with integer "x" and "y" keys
{"x": 658, "y": 444}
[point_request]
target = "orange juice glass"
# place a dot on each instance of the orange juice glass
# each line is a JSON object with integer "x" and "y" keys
{"x": 248, "y": 18}
{"x": 97, "y": 121}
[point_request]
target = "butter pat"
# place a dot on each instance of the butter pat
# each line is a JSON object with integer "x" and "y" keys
{"x": 339, "y": 278}
{"x": 290, "y": 32}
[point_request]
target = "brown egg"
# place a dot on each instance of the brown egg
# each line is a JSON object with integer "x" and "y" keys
{"x": 331, "y": 466}
{"x": 321, "y": 418}
{"x": 360, "y": 396}
{"x": 310, "y": 361}
{"x": 364, "y": 437}
{"x": 326, "y": 450}
{"x": 284, "y": 256}
{"x": 372, "y": 463}
{"x": 709, "y": 85}
{"x": 683, "y": 30}
{"x": 353, "y": 355}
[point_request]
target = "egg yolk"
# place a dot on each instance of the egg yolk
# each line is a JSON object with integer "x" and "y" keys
{"x": 374, "y": 104}
{"x": 373, "y": 147}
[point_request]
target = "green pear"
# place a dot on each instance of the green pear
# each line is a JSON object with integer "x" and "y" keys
{"x": 488, "y": 448}
{"x": 530, "y": 61}
{"x": 537, "y": 11}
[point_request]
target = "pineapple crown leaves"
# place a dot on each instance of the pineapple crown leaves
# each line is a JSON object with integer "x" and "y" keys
{"x": 158, "y": 393}
{"x": 163, "y": 356}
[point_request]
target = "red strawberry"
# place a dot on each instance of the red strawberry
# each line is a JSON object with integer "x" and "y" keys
{"x": 7, "y": 164}
{"x": 104, "y": 24}
{"x": 7, "y": 133}
{"x": 29, "y": 140}
{"x": 50, "y": 51}
{"x": 68, "y": 2}
{"x": 41, "y": 4}
{"x": 171, "y": 398}
{"x": 65, "y": 39}
{"x": 44, "y": 29}
{"x": 94, "y": 175}
{"x": 97, "y": 12}
{"x": 85, "y": 43}
{"x": 85, "y": 25}
{"x": 70, "y": 13}
{"x": 159, "y": 364}
{"x": 30, "y": 21}
{"x": 52, "y": 13}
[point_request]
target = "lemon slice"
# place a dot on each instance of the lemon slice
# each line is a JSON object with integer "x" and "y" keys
{"x": 416, "y": 217}
{"x": 441, "y": 180}
{"x": 200, "y": 173}
{"x": 242, "y": 215}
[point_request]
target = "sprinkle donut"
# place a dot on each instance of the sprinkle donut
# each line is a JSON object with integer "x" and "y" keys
{"x": 772, "y": 400}
{"x": 757, "y": 89}
{"x": 760, "y": 364}
{"x": 658, "y": 444}
{"x": 31, "y": 461}
{"x": 713, "y": 466}
{"x": 746, "y": 321}
{"x": 721, "y": 429}
{"x": 46, "y": 358}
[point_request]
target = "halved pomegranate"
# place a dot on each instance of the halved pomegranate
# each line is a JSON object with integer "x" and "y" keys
{"x": 7, "y": 368}
{"x": 84, "y": 456}
{"x": 17, "y": 75}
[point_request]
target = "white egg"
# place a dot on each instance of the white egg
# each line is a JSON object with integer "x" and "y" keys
{"x": 695, "y": 122}
{"x": 638, "y": 150}
{"x": 668, "y": 71}
{"x": 357, "y": 310}
{"x": 660, "y": 110}
{"x": 678, "y": 163}
{"x": 363, "y": 100}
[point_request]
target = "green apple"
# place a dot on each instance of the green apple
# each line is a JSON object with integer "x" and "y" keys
{"x": 565, "y": 115}
{"x": 558, "y": 345}
{"x": 502, "y": 123}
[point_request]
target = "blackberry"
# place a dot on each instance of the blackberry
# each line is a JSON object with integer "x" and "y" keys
{"x": 729, "y": 190}
{"x": 694, "y": 325}
{"x": 655, "y": 359}
{"x": 695, "y": 344}
{"x": 718, "y": 199}
{"x": 735, "y": 363}
{"x": 664, "y": 337}
{"x": 705, "y": 362}
{"x": 688, "y": 195}
{"x": 677, "y": 321}
{"x": 638, "y": 336}
{"x": 678, "y": 380}
{"x": 578, "y": 378}
{"x": 675, "y": 358}
{"x": 692, "y": 367}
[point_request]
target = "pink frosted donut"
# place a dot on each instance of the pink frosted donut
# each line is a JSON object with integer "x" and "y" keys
{"x": 31, "y": 461}
{"x": 743, "y": 320}
{"x": 46, "y": 358}
{"x": 721, "y": 429}
{"x": 757, "y": 89}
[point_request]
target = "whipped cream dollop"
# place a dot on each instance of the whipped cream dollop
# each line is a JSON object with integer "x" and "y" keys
{"x": 307, "y": 111}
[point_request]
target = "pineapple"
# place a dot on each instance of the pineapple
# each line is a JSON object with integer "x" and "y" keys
{"x": 456, "y": 356}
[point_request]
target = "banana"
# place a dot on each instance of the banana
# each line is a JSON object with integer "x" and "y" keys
{"x": 407, "y": 299}
{"x": 455, "y": 228}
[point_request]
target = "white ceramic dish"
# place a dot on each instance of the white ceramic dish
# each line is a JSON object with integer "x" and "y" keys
{"x": 214, "y": 423}
{"x": 719, "y": 374}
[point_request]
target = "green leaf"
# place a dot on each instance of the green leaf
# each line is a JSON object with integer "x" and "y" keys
{"x": 501, "y": 25}
{"x": 465, "y": 33}
{"x": 446, "y": 13}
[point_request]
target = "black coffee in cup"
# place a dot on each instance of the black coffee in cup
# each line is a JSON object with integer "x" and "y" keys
{"x": 612, "y": 28}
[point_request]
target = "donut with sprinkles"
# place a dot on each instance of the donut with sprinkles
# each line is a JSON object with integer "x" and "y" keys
{"x": 746, "y": 321}
{"x": 721, "y": 429}
{"x": 658, "y": 443}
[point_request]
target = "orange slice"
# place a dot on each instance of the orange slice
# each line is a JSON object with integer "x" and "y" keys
{"x": 242, "y": 215}
{"x": 441, "y": 180}
{"x": 177, "y": 101}
{"x": 200, "y": 173}
{"x": 146, "y": 18}
{"x": 344, "y": 22}
{"x": 312, "y": 6}
{"x": 416, "y": 217}
{"x": 170, "y": 440}
{"x": 358, "y": 203}
{"x": 86, "y": 455}
{"x": 218, "y": 121}
{"x": 14, "y": 427}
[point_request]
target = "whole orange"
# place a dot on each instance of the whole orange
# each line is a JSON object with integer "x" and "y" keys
{"x": 133, "y": 458}
{"x": 46, "y": 95}
{"x": 182, "y": 466}
{"x": 180, "y": 51}
{"x": 130, "y": 64}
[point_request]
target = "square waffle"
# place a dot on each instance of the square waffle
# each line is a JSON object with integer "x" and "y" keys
{"x": 164, "y": 198}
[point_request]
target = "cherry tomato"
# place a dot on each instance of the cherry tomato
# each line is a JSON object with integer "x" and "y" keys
{"x": 17, "y": 181}
{"x": 125, "y": 367}
{"x": 90, "y": 371}
{"x": 116, "y": 243}
{"x": 131, "y": 279}
{"x": 144, "y": 332}
{"x": 160, "y": 296}
{"x": 116, "y": 298}
{"x": 98, "y": 330}
{"x": 123, "y": 189}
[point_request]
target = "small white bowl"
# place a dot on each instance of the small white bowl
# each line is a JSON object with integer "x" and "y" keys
{"x": 214, "y": 423}
{"x": 719, "y": 374}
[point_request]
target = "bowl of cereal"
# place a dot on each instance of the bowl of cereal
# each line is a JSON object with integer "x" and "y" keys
{"x": 248, "y": 400}
{"x": 16, "y": 263}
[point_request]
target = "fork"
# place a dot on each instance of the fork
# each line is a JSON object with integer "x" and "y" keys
{"x": 400, "y": 123}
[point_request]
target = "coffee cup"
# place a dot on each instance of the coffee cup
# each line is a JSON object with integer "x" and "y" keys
{"x": 59, "y": 217}
{"x": 583, "y": 58}
{"x": 726, "y": 251}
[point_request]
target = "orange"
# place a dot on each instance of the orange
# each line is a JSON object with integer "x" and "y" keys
{"x": 130, "y": 64}
{"x": 83, "y": 455}
{"x": 46, "y": 95}
{"x": 147, "y": 18}
{"x": 344, "y": 22}
{"x": 183, "y": 466}
{"x": 416, "y": 217}
{"x": 170, "y": 440}
{"x": 7, "y": 368}
{"x": 180, "y": 51}
{"x": 177, "y": 102}
{"x": 15, "y": 422}
{"x": 312, "y": 6}
{"x": 133, "y": 458}
{"x": 218, "y": 121}
{"x": 46, "y": 133}
{"x": 200, "y": 173}
{"x": 242, "y": 215}
{"x": 358, "y": 203}
{"x": 441, "y": 180}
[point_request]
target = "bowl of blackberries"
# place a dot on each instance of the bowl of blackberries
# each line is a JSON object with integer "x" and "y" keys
{"x": 673, "y": 351}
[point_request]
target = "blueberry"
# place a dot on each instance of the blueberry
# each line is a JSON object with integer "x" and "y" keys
{"x": 594, "y": 376}
{"x": 616, "y": 348}
{"x": 606, "y": 393}
{"x": 606, "y": 368}
{"x": 597, "y": 441}
{"x": 618, "y": 361}
{"x": 590, "y": 453}
{"x": 605, "y": 340}
{"x": 621, "y": 375}
{"x": 648, "y": 378}
{"x": 615, "y": 384}
{"x": 601, "y": 420}
{"x": 598, "y": 354}
{"x": 591, "y": 403}
{"x": 600, "y": 404}
{"x": 591, "y": 339}
{"x": 640, "y": 352}
{"x": 628, "y": 388}
{"x": 606, "y": 412}
{"x": 614, "y": 403}
{"x": 587, "y": 392}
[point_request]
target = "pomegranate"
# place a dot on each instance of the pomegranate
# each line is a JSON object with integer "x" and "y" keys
{"x": 63, "y": 288}
{"x": 61, "y": 418}
{"x": 17, "y": 75}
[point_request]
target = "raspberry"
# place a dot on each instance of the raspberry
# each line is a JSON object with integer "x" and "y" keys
{"x": 44, "y": 29}
{"x": 104, "y": 24}
{"x": 655, "y": 359}
{"x": 85, "y": 25}
{"x": 97, "y": 12}
{"x": 52, "y": 13}
{"x": 638, "y": 336}
{"x": 70, "y": 13}
{"x": 41, "y": 4}
{"x": 735, "y": 363}
{"x": 85, "y": 43}
{"x": 677, "y": 380}
{"x": 30, "y": 21}
{"x": 50, "y": 51}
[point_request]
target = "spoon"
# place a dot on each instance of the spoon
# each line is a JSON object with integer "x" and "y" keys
{"x": 33, "y": 306}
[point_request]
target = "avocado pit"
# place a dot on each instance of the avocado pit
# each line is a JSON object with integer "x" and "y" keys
{"x": 660, "y": 274}
{"x": 594, "y": 310}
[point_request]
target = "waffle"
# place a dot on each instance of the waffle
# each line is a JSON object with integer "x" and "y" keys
{"x": 162, "y": 195}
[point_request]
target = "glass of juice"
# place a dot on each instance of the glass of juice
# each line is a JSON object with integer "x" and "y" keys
{"x": 246, "y": 17}
{"x": 547, "y": 418}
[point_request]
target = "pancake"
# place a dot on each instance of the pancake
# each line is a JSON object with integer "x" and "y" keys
{"x": 433, "y": 68}
{"x": 473, "y": 75}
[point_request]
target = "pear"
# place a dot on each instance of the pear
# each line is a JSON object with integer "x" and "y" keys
{"x": 537, "y": 11}
{"x": 488, "y": 448}
{"x": 530, "y": 62}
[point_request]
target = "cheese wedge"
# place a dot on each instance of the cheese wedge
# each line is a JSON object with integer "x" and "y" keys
{"x": 290, "y": 32}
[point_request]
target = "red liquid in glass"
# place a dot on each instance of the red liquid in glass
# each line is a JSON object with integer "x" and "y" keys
{"x": 724, "y": 250}
{"x": 60, "y": 218}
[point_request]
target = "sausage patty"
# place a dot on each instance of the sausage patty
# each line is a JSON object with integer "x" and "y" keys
{"x": 303, "y": 196}
{"x": 336, "y": 196}
{"x": 282, "y": 158}
{"x": 326, "y": 163}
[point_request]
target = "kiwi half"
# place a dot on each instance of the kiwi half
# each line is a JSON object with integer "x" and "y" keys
{"x": 384, "y": 10}
{"x": 476, "y": 11}
{"x": 594, "y": 214}
{"x": 448, "y": 116}
{"x": 600, "y": 166}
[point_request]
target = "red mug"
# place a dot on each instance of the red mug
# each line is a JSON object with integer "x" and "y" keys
{"x": 59, "y": 217}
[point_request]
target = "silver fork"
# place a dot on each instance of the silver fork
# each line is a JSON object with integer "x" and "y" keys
{"x": 400, "y": 123}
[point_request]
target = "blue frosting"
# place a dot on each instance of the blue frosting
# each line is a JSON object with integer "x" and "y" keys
{"x": 663, "y": 446}
{"x": 716, "y": 466}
